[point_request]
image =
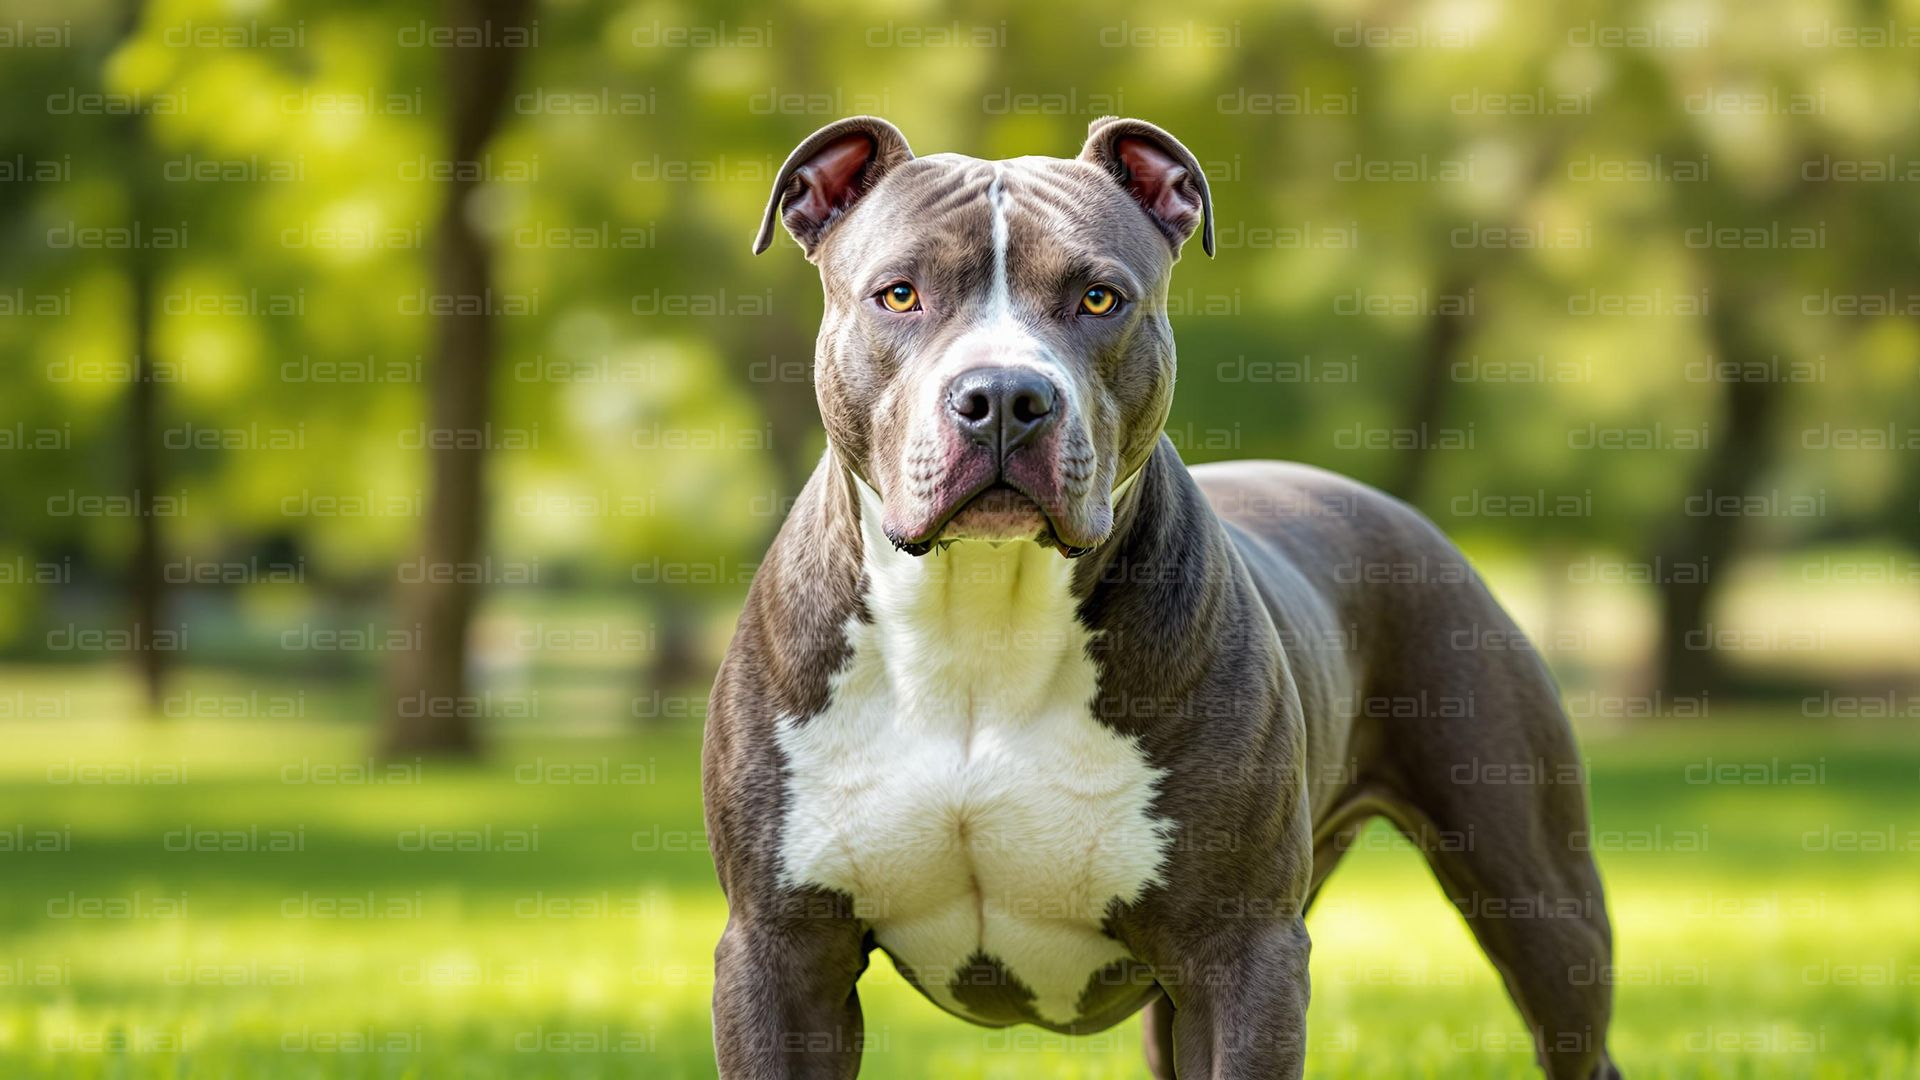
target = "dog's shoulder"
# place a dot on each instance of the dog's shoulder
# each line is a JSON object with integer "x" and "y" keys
{"x": 790, "y": 639}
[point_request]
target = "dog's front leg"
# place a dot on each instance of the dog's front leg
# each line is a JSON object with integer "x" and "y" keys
{"x": 784, "y": 1002}
{"x": 1240, "y": 1002}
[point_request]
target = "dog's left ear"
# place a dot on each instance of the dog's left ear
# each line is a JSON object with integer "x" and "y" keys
{"x": 826, "y": 174}
{"x": 1161, "y": 175}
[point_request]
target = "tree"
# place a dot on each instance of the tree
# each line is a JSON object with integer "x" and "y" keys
{"x": 430, "y": 706}
{"x": 1705, "y": 537}
{"x": 1427, "y": 407}
{"x": 145, "y": 589}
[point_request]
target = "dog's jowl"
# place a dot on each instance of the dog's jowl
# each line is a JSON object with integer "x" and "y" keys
{"x": 1067, "y": 729}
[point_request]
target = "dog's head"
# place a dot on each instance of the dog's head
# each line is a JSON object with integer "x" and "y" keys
{"x": 995, "y": 358}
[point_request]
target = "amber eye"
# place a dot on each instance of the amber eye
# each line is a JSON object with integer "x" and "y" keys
{"x": 900, "y": 297}
{"x": 1099, "y": 300}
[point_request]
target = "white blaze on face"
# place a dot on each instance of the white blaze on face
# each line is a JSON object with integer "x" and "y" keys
{"x": 958, "y": 785}
{"x": 1000, "y": 338}
{"x": 997, "y": 198}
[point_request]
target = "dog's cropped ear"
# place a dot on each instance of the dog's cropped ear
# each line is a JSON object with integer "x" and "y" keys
{"x": 826, "y": 174}
{"x": 1160, "y": 174}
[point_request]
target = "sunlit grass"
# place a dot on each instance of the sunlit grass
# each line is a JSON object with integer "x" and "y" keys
{"x": 1767, "y": 953}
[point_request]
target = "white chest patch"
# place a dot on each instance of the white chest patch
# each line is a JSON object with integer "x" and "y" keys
{"x": 958, "y": 786}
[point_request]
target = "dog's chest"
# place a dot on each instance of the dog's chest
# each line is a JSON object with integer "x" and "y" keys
{"x": 959, "y": 788}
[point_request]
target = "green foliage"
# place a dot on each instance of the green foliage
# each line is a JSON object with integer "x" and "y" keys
{"x": 1507, "y": 160}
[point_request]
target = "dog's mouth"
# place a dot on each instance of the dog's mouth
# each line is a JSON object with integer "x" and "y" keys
{"x": 1000, "y": 512}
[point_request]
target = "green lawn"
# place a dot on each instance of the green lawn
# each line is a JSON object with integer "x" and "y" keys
{"x": 139, "y": 946}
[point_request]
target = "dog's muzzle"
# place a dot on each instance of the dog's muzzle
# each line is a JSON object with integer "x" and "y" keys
{"x": 1000, "y": 477}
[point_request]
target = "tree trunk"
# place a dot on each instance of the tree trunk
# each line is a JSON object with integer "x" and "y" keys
{"x": 431, "y": 709}
{"x": 1432, "y": 390}
{"x": 1685, "y": 665}
{"x": 145, "y": 576}
{"x": 679, "y": 666}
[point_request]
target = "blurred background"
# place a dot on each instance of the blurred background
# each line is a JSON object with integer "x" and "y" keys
{"x": 392, "y": 417}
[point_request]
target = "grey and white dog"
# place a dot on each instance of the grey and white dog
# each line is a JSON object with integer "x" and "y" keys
{"x": 1064, "y": 727}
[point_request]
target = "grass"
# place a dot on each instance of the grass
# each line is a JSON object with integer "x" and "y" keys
{"x": 136, "y": 945}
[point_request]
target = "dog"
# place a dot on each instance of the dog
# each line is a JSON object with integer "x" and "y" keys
{"x": 1068, "y": 729}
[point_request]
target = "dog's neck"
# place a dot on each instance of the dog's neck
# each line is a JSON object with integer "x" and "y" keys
{"x": 974, "y": 619}
{"x": 971, "y": 614}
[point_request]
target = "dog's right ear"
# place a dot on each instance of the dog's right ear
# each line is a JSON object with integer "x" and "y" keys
{"x": 826, "y": 174}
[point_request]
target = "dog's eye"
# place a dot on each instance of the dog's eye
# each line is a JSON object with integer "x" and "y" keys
{"x": 1099, "y": 300}
{"x": 900, "y": 297}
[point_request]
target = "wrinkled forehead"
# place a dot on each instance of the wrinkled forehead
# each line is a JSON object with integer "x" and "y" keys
{"x": 952, "y": 223}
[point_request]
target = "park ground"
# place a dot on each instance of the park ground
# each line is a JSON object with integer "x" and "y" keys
{"x": 295, "y": 909}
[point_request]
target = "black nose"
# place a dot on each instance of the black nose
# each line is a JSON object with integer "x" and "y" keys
{"x": 1001, "y": 407}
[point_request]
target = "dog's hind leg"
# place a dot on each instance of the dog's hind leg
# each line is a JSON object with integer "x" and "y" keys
{"x": 1495, "y": 797}
{"x": 1544, "y": 930}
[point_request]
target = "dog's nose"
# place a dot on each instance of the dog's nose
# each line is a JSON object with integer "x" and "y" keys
{"x": 1001, "y": 407}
